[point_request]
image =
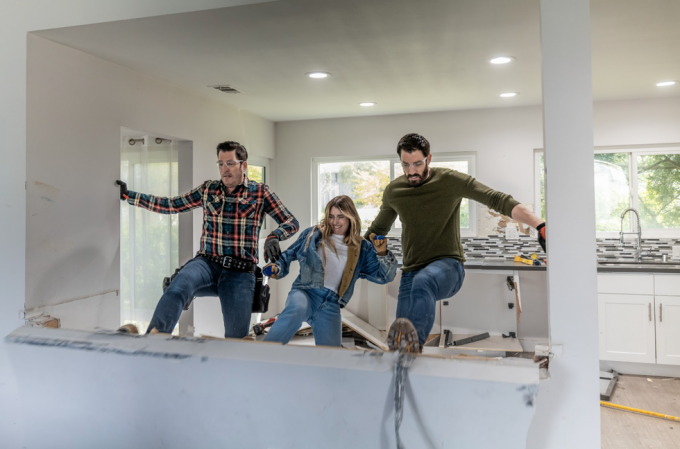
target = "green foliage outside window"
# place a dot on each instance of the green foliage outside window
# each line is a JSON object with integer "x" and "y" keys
{"x": 255, "y": 173}
{"x": 658, "y": 190}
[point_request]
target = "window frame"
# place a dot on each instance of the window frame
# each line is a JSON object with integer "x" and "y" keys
{"x": 263, "y": 162}
{"x": 468, "y": 156}
{"x": 633, "y": 152}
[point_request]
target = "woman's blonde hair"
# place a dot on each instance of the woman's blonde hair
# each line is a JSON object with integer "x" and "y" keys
{"x": 353, "y": 235}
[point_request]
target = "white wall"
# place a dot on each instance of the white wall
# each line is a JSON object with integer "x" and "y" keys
{"x": 16, "y": 20}
{"x": 239, "y": 394}
{"x": 77, "y": 104}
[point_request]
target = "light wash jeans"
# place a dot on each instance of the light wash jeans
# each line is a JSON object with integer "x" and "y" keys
{"x": 421, "y": 289}
{"x": 203, "y": 277}
{"x": 319, "y": 308}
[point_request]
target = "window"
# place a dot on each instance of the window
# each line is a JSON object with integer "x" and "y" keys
{"x": 364, "y": 180}
{"x": 149, "y": 245}
{"x": 257, "y": 173}
{"x": 647, "y": 179}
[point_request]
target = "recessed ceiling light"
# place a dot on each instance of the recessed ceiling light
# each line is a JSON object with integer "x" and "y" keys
{"x": 509, "y": 94}
{"x": 318, "y": 75}
{"x": 502, "y": 60}
{"x": 367, "y": 103}
{"x": 665, "y": 83}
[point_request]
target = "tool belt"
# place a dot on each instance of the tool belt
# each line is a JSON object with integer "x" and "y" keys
{"x": 261, "y": 295}
{"x": 232, "y": 262}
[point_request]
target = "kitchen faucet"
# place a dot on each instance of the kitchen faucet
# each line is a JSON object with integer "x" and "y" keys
{"x": 639, "y": 231}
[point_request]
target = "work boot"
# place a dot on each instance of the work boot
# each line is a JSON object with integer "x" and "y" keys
{"x": 128, "y": 329}
{"x": 403, "y": 337}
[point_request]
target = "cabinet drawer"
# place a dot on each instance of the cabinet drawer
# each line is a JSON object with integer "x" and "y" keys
{"x": 626, "y": 284}
{"x": 667, "y": 284}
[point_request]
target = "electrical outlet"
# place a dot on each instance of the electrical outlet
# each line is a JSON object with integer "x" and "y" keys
{"x": 676, "y": 252}
{"x": 512, "y": 232}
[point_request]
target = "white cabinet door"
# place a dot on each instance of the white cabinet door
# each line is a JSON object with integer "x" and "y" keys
{"x": 668, "y": 330}
{"x": 626, "y": 328}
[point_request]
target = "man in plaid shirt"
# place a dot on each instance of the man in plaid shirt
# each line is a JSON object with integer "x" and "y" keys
{"x": 233, "y": 210}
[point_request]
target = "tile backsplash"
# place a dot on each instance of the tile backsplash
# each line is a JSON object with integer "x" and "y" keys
{"x": 496, "y": 247}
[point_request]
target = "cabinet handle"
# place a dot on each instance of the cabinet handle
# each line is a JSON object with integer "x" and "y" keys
{"x": 660, "y": 313}
{"x": 649, "y": 307}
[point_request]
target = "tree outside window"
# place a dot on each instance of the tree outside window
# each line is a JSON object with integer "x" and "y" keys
{"x": 655, "y": 191}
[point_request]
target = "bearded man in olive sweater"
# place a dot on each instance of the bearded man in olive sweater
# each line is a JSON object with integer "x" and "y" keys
{"x": 427, "y": 201}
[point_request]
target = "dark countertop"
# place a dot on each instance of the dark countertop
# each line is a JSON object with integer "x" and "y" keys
{"x": 611, "y": 267}
{"x": 472, "y": 264}
{"x": 659, "y": 268}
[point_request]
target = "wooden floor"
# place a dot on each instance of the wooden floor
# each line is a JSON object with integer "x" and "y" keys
{"x": 625, "y": 430}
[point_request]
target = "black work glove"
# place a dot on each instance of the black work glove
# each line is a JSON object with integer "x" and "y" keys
{"x": 123, "y": 189}
{"x": 541, "y": 235}
{"x": 272, "y": 250}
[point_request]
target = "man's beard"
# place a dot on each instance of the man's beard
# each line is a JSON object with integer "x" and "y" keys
{"x": 420, "y": 178}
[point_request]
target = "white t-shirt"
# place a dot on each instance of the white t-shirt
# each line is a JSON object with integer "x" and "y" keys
{"x": 335, "y": 264}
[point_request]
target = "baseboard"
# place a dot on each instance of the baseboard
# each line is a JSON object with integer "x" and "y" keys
{"x": 641, "y": 369}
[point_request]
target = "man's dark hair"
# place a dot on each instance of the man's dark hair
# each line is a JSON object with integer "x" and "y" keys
{"x": 412, "y": 142}
{"x": 230, "y": 145}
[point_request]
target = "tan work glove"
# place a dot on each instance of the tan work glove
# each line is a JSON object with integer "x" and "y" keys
{"x": 270, "y": 270}
{"x": 379, "y": 243}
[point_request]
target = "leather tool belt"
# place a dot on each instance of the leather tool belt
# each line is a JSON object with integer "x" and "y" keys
{"x": 232, "y": 262}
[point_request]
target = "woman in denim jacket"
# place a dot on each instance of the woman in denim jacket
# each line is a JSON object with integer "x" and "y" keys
{"x": 332, "y": 256}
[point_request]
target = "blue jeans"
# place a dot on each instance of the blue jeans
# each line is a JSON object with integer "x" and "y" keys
{"x": 319, "y": 308}
{"x": 421, "y": 289}
{"x": 203, "y": 277}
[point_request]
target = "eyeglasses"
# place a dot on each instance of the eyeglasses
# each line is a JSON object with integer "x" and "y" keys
{"x": 230, "y": 164}
{"x": 418, "y": 164}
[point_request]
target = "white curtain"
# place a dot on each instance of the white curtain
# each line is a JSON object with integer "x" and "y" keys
{"x": 149, "y": 241}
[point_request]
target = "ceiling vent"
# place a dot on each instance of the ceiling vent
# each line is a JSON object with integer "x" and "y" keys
{"x": 226, "y": 89}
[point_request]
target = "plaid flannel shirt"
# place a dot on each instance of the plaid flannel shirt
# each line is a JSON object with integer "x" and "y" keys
{"x": 231, "y": 222}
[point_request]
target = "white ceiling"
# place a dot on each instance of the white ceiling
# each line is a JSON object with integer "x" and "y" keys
{"x": 408, "y": 56}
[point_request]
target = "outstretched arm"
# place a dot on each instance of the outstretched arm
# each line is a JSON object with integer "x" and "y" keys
{"x": 281, "y": 267}
{"x": 288, "y": 224}
{"x": 506, "y": 205}
{"x": 525, "y": 216}
{"x": 162, "y": 205}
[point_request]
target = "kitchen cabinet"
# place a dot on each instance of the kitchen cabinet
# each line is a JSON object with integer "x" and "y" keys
{"x": 626, "y": 325}
{"x": 668, "y": 330}
{"x": 639, "y": 318}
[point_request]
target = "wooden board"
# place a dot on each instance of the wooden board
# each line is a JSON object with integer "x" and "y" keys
{"x": 364, "y": 329}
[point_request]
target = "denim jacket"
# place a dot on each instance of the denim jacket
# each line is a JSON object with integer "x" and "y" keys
{"x": 363, "y": 262}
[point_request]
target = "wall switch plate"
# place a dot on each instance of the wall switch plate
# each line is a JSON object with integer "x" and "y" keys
{"x": 676, "y": 252}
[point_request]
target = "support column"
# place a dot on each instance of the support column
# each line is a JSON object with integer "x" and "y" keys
{"x": 568, "y": 413}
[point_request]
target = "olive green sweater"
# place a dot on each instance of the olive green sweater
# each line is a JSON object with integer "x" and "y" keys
{"x": 430, "y": 214}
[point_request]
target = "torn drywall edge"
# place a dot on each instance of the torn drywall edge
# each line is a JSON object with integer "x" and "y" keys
{"x": 517, "y": 371}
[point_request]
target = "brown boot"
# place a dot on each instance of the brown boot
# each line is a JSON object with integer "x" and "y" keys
{"x": 128, "y": 329}
{"x": 403, "y": 337}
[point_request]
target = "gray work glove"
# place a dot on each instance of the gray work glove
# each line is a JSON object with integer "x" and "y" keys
{"x": 272, "y": 250}
{"x": 123, "y": 190}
